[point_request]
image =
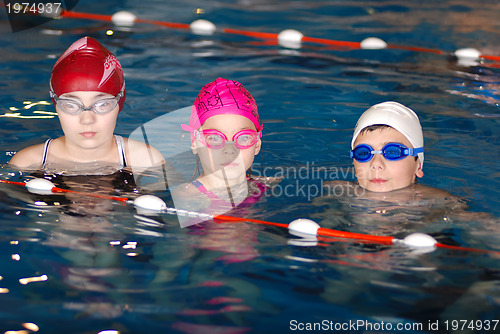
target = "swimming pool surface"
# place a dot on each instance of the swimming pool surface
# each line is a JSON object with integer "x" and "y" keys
{"x": 91, "y": 266}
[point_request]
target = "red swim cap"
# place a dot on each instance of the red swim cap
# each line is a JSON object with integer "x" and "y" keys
{"x": 88, "y": 66}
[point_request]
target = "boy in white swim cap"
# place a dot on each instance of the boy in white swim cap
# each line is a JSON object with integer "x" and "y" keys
{"x": 387, "y": 147}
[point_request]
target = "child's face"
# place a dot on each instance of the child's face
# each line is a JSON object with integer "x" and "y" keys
{"x": 232, "y": 160}
{"x": 87, "y": 130}
{"x": 380, "y": 174}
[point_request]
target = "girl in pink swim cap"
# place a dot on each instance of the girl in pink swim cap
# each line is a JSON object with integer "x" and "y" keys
{"x": 87, "y": 88}
{"x": 225, "y": 136}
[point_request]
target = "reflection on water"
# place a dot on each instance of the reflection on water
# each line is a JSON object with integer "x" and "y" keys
{"x": 349, "y": 206}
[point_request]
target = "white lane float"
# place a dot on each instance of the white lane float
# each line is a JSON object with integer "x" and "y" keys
{"x": 302, "y": 226}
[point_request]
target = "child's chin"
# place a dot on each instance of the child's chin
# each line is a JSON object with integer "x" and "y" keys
{"x": 234, "y": 172}
{"x": 379, "y": 190}
{"x": 384, "y": 188}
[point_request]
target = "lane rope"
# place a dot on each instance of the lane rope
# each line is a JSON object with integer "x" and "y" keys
{"x": 301, "y": 227}
{"x": 289, "y": 38}
{"x": 39, "y": 186}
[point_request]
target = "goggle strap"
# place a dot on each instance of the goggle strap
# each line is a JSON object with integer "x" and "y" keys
{"x": 188, "y": 128}
{"x": 414, "y": 151}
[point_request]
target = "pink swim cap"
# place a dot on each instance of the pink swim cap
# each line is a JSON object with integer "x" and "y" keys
{"x": 224, "y": 97}
{"x": 88, "y": 66}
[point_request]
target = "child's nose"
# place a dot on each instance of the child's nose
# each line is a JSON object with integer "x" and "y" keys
{"x": 377, "y": 162}
{"x": 230, "y": 148}
{"x": 87, "y": 117}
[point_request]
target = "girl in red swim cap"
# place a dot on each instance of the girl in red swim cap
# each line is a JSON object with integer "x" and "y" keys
{"x": 88, "y": 90}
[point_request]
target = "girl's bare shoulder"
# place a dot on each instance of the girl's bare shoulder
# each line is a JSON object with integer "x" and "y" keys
{"x": 28, "y": 158}
{"x": 142, "y": 155}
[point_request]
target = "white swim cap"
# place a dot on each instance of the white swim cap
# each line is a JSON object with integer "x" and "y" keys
{"x": 397, "y": 116}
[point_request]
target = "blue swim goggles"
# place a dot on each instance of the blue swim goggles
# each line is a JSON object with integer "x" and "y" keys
{"x": 391, "y": 151}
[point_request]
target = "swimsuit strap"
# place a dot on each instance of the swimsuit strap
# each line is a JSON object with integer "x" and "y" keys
{"x": 204, "y": 190}
{"x": 45, "y": 151}
{"x": 120, "y": 144}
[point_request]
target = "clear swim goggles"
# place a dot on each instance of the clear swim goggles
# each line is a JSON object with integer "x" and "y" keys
{"x": 75, "y": 107}
{"x": 215, "y": 139}
{"x": 391, "y": 151}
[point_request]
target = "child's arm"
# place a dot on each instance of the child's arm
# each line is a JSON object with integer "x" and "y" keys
{"x": 28, "y": 158}
{"x": 141, "y": 155}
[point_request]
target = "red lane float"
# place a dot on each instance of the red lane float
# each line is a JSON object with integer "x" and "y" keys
{"x": 289, "y": 38}
{"x": 300, "y": 227}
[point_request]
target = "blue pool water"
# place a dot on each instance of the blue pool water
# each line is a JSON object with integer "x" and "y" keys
{"x": 104, "y": 267}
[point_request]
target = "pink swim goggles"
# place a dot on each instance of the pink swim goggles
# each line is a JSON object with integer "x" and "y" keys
{"x": 215, "y": 139}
